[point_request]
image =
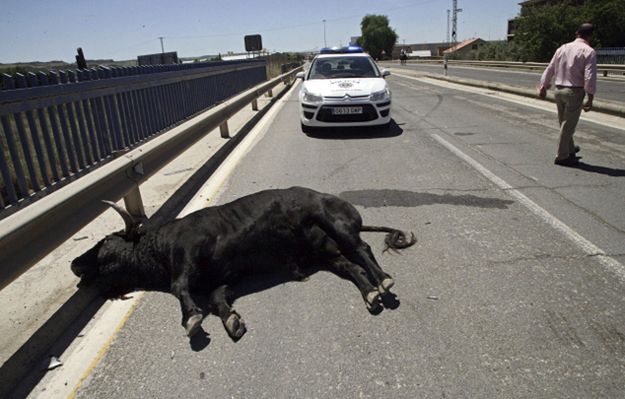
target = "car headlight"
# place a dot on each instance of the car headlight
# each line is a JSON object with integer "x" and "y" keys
{"x": 308, "y": 97}
{"x": 380, "y": 95}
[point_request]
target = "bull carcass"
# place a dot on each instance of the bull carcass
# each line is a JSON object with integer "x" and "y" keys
{"x": 208, "y": 250}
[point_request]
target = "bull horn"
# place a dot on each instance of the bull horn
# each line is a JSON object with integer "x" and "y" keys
{"x": 129, "y": 220}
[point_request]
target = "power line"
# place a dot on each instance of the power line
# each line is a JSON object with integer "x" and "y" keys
{"x": 286, "y": 27}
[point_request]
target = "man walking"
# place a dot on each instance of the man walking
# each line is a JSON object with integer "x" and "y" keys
{"x": 574, "y": 66}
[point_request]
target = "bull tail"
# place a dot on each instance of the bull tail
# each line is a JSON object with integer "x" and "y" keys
{"x": 395, "y": 239}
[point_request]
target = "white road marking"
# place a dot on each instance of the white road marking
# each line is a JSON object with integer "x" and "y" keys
{"x": 585, "y": 245}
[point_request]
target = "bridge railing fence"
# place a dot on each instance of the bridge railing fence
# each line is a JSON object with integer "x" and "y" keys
{"x": 57, "y": 126}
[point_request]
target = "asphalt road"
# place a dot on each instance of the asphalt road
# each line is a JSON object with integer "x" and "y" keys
{"x": 611, "y": 89}
{"x": 496, "y": 299}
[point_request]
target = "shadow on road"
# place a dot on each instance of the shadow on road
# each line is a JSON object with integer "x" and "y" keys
{"x": 250, "y": 285}
{"x": 261, "y": 282}
{"x": 601, "y": 169}
{"x": 382, "y": 198}
{"x": 357, "y": 133}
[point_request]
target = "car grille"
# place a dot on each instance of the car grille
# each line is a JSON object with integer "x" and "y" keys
{"x": 342, "y": 97}
{"x": 368, "y": 114}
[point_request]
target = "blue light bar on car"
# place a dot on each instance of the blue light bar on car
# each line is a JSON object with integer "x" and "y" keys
{"x": 341, "y": 50}
{"x": 353, "y": 49}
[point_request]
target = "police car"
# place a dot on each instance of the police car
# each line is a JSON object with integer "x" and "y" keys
{"x": 344, "y": 87}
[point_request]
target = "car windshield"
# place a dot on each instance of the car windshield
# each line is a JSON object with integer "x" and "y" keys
{"x": 343, "y": 67}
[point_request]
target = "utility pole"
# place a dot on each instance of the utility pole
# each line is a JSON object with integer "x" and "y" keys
{"x": 454, "y": 21}
{"x": 162, "y": 47}
{"x": 447, "y": 37}
{"x": 325, "y": 44}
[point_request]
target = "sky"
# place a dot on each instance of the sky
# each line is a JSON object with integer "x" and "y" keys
{"x": 46, "y": 30}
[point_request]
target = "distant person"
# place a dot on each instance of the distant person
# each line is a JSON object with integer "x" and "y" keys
{"x": 574, "y": 66}
{"x": 403, "y": 57}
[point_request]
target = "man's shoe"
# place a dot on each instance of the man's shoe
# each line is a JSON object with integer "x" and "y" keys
{"x": 570, "y": 161}
{"x": 576, "y": 149}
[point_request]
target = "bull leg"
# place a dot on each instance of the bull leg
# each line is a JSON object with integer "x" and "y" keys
{"x": 364, "y": 256}
{"x": 347, "y": 236}
{"x": 191, "y": 313}
{"x": 342, "y": 266}
{"x": 232, "y": 321}
{"x": 359, "y": 252}
{"x": 295, "y": 271}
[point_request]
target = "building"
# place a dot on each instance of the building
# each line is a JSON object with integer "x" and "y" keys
{"x": 158, "y": 58}
{"x": 463, "y": 49}
{"x": 421, "y": 50}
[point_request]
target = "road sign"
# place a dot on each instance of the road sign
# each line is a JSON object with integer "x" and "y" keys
{"x": 253, "y": 43}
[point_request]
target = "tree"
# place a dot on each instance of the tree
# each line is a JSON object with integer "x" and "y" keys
{"x": 498, "y": 51}
{"x": 608, "y": 16}
{"x": 377, "y": 36}
{"x": 542, "y": 29}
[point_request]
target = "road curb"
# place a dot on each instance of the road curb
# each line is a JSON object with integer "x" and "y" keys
{"x": 606, "y": 107}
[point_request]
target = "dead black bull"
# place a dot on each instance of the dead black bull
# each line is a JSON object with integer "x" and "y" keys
{"x": 207, "y": 251}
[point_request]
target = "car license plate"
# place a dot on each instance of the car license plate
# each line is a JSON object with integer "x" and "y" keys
{"x": 346, "y": 110}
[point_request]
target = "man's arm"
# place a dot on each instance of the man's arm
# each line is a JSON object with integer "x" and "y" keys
{"x": 588, "y": 106}
{"x": 547, "y": 76}
{"x": 590, "y": 79}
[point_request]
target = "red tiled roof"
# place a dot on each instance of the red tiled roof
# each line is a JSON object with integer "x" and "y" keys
{"x": 461, "y": 45}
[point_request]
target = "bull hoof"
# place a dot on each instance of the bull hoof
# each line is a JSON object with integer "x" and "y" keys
{"x": 235, "y": 327}
{"x": 386, "y": 285}
{"x": 193, "y": 324}
{"x": 372, "y": 300}
{"x": 299, "y": 276}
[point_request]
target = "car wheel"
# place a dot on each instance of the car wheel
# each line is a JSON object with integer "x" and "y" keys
{"x": 306, "y": 129}
{"x": 385, "y": 126}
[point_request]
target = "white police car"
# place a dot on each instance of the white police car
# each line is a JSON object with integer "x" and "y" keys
{"x": 344, "y": 88}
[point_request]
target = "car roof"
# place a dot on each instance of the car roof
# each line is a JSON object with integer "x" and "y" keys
{"x": 339, "y": 55}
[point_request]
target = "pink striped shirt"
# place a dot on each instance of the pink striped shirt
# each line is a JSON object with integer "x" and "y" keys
{"x": 574, "y": 65}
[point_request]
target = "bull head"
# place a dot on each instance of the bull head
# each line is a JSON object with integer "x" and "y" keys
{"x": 107, "y": 264}
{"x": 131, "y": 223}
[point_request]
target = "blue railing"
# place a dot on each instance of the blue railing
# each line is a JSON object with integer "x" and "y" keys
{"x": 611, "y": 55}
{"x": 57, "y": 126}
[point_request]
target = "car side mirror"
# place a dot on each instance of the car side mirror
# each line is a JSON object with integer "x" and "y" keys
{"x": 300, "y": 75}
{"x": 385, "y": 73}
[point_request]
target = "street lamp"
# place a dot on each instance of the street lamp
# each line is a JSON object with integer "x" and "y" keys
{"x": 325, "y": 44}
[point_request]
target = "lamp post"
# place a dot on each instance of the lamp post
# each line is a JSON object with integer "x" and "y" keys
{"x": 162, "y": 46}
{"x": 325, "y": 44}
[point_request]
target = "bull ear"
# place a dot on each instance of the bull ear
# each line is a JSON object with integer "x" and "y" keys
{"x": 131, "y": 223}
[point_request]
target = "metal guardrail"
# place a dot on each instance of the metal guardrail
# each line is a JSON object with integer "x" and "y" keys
{"x": 604, "y": 69}
{"x": 57, "y": 126}
{"x": 26, "y": 237}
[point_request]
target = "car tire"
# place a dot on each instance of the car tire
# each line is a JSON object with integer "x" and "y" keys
{"x": 385, "y": 126}
{"x": 306, "y": 129}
